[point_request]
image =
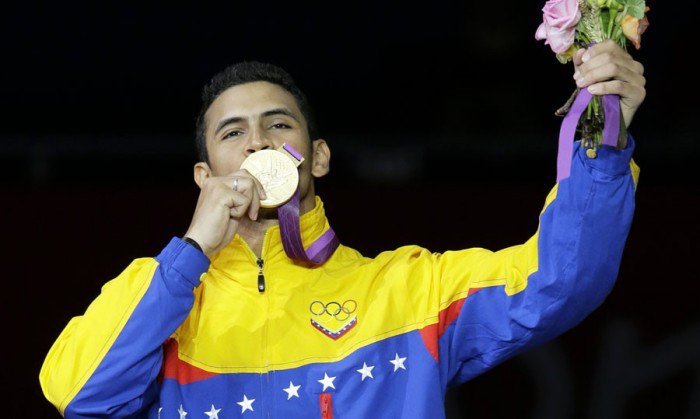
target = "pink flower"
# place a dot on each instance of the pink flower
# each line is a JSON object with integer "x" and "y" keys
{"x": 558, "y": 28}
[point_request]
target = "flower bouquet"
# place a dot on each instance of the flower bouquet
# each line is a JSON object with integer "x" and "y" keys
{"x": 569, "y": 25}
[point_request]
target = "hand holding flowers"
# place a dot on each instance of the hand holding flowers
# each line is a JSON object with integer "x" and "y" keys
{"x": 594, "y": 34}
{"x": 606, "y": 68}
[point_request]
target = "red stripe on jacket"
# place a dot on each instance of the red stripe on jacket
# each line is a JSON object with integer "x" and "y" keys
{"x": 177, "y": 369}
{"x": 447, "y": 316}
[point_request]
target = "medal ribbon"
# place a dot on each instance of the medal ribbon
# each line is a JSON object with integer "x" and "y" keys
{"x": 611, "y": 130}
{"x": 288, "y": 214}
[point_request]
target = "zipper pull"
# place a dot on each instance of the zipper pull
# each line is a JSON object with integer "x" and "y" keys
{"x": 261, "y": 277}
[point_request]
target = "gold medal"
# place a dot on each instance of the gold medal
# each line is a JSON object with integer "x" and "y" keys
{"x": 277, "y": 171}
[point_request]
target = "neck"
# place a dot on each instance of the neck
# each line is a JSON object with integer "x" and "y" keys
{"x": 253, "y": 232}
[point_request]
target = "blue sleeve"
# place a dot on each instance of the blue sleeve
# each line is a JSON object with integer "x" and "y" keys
{"x": 106, "y": 362}
{"x": 498, "y": 304}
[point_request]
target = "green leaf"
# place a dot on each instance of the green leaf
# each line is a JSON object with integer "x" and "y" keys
{"x": 635, "y": 8}
{"x": 563, "y": 59}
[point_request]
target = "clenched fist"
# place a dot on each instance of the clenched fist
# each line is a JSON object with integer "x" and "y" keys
{"x": 222, "y": 202}
{"x": 606, "y": 68}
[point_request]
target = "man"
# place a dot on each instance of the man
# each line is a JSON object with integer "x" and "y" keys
{"x": 223, "y": 323}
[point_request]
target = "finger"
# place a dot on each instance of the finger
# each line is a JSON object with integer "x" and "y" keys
{"x": 607, "y": 57}
{"x": 254, "y": 205}
{"x": 258, "y": 185}
{"x": 610, "y": 71}
{"x": 236, "y": 202}
{"x": 586, "y": 58}
{"x": 577, "y": 58}
{"x": 607, "y": 46}
{"x": 261, "y": 189}
{"x": 243, "y": 184}
{"x": 231, "y": 182}
{"x": 637, "y": 67}
{"x": 248, "y": 188}
{"x": 244, "y": 174}
{"x": 626, "y": 90}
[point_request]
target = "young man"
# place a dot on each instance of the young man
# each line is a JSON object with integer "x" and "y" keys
{"x": 224, "y": 323}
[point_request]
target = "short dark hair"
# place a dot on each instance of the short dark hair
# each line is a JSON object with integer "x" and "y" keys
{"x": 249, "y": 72}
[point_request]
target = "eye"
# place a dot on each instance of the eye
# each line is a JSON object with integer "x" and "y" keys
{"x": 231, "y": 134}
{"x": 280, "y": 125}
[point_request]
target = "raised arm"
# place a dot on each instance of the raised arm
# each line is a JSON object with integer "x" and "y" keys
{"x": 494, "y": 305}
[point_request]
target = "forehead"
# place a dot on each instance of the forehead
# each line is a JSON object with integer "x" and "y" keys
{"x": 250, "y": 99}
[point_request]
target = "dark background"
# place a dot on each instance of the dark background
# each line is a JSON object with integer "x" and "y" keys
{"x": 443, "y": 102}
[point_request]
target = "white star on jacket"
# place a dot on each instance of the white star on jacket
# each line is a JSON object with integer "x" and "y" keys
{"x": 292, "y": 390}
{"x": 398, "y": 362}
{"x": 182, "y": 412}
{"x": 327, "y": 381}
{"x": 366, "y": 371}
{"x": 246, "y": 404}
{"x": 213, "y": 413}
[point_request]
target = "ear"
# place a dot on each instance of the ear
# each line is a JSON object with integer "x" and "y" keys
{"x": 201, "y": 173}
{"x": 320, "y": 158}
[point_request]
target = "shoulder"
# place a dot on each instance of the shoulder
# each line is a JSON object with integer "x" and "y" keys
{"x": 407, "y": 256}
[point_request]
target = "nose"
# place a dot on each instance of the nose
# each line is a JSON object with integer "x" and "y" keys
{"x": 258, "y": 141}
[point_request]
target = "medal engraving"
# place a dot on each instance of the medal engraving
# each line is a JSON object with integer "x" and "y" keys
{"x": 276, "y": 172}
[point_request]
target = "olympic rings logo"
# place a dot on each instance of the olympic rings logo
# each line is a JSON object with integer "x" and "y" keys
{"x": 340, "y": 312}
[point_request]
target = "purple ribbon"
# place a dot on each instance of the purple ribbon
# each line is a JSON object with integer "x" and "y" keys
{"x": 319, "y": 251}
{"x": 611, "y": 130}
{"x": 293, "y": 151}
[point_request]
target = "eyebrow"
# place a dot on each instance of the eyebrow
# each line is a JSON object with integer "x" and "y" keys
{"x": 272, "y": 112}
{"x": 280, "y": 111}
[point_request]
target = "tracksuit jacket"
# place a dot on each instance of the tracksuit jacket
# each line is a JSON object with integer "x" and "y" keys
{"x": 180, "y": 336}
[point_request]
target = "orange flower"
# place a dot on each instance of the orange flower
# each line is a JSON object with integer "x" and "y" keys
{"x": 633, "y": 28}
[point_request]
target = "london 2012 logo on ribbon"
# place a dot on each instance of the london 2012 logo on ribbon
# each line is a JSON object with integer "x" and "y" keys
{"x": 333, "y": 319}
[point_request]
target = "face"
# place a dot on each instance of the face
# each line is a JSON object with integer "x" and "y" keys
{"x": 257, "y": 116}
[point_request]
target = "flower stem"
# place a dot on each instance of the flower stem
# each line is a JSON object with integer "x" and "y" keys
{"x": 584, "y": 38}
{"x": 602, "y": 26}
{"x": 611, "y": 22}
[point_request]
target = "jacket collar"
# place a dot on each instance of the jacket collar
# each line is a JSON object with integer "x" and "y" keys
{"x": 313, "y": 224}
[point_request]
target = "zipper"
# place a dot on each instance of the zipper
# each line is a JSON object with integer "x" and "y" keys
{"x": 326, "y": 406}
{"x": 265, "y": 385}
{"x": 267, "y": 405}
{"x": 261, "y": 277}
